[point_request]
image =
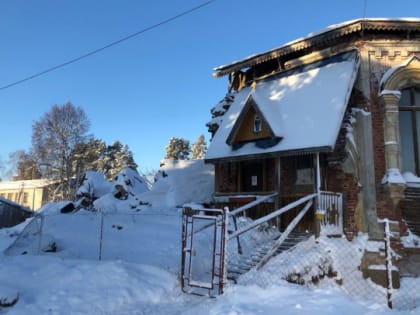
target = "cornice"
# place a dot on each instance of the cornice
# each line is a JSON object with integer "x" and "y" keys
{"x": 328, "y": 36}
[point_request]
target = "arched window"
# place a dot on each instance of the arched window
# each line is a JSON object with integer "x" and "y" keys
{"x": 409, "y": 114}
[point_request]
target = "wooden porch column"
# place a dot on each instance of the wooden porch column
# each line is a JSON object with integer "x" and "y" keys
{"x": 278, "y": 182}
{"x": 318, "y": 176}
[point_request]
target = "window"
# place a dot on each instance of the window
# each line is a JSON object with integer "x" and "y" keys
{"x": 304, "y": 170}
{"x": 409, "y": 111}
{"x": 257, "y": 124}
{"x": 25, "y": 198}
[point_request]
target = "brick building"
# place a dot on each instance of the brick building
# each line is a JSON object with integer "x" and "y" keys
{"x": 335, "y": 113}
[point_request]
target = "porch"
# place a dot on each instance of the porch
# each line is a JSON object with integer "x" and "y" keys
{"x": 325, "y": 213}
{"x": 276, "y": 182}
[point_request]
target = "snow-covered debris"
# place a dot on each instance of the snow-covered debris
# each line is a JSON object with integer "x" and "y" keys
{"x": 218, "y": 111}
{"x": 131, "y": 181}
{"x": 179, "y": 182}
{"x": 94, "y": 185}
{"x": 8, "y": 297}
{"x": 127, "y": 185}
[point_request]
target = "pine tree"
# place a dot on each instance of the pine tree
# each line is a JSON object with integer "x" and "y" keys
{"x": 95, "y": 155}
{"x": 178, "y": 149}
{"x": 199, "y": 149}
{"x": 120, "y": 157}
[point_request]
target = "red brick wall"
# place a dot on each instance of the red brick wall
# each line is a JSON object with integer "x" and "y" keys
{"x": 384, "y": 204}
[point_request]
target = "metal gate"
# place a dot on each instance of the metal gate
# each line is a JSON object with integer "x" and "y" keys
{"x": 203, "y": 251}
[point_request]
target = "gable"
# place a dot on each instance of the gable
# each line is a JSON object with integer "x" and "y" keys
{"x": 303, "y": 107}
{"x": 251, "y": 125}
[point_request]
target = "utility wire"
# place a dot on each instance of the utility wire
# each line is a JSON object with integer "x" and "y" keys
{"x": 93, "y": 52}
{"x": 364, "y": 8}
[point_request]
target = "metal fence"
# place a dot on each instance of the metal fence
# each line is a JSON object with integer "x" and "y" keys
{"x": 258, "y": 253}
{"x": 335, "y": 262}
{"x": 221, "y": 248}
{"x": 139, "y": 237}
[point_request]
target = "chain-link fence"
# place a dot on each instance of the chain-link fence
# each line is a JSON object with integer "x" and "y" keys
{"x": 369, "y": 271}
{"x": 140, "y": 237}
{"x": 254, "y": 251}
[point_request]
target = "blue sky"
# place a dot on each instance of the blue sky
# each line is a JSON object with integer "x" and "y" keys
{"x": 156, "y": 85}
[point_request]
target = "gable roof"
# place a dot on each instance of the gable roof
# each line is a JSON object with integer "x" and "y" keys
{"x": 249, "y": 103}
{"x": 304, "y": 106}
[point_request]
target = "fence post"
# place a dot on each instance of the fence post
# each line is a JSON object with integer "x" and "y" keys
{"x": 101, "y": 235}
{"x": 224, "y": 259}
{"x": 388, "y": 256}
{"x": 40, "y": 233}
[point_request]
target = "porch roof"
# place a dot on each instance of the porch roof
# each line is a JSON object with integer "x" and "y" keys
{"x": 304, "y": 107}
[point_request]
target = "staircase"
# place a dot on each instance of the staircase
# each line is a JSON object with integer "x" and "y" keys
{"x": 410, "y": 209}
{"x": 247, "y": 262}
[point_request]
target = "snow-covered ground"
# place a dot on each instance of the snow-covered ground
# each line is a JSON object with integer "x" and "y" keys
{"x": 126, "y": 260}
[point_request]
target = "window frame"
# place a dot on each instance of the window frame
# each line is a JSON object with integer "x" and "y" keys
{"x": 413, "y": 108}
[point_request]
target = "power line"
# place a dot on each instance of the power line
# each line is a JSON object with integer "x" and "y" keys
{"x": 119, "y": 41}
{"x": 364, "y": 8}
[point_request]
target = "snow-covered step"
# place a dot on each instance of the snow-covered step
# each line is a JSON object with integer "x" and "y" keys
{"x": 234, "y": 271}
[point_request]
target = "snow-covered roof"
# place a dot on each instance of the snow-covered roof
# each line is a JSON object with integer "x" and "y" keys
{"x": 305, "y": 107}
{"x": 328, "y": 34}
{"x": 19, "y": 184}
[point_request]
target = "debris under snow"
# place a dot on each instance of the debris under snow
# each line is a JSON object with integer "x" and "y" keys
{"x": 8, "y": 297}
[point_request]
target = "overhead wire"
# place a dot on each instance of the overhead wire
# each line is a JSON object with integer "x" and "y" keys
{"x": 114, "y": 43}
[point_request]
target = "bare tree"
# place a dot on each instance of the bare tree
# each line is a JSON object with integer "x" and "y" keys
{"x": 54, "y": 139}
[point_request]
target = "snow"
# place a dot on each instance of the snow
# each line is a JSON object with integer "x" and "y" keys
{"x": 392, "y": 92}
{"x": 411, "y": 179}
{"x": 293, "y": 104}
{"x": 389, "y": 73}
{"x": 176, "y": 187}
{"x": 8, "y": 297}
{"x": 94, "y": 184}
{"x": 127, "y": 261}
{"x": 393, "y": 176}
{"x": 410, "y": 240}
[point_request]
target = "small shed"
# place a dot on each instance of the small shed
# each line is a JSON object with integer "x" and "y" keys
{"x": 12, "y": 213}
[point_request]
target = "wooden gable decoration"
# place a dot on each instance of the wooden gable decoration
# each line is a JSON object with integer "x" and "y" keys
{"x": 251, "y": 126}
